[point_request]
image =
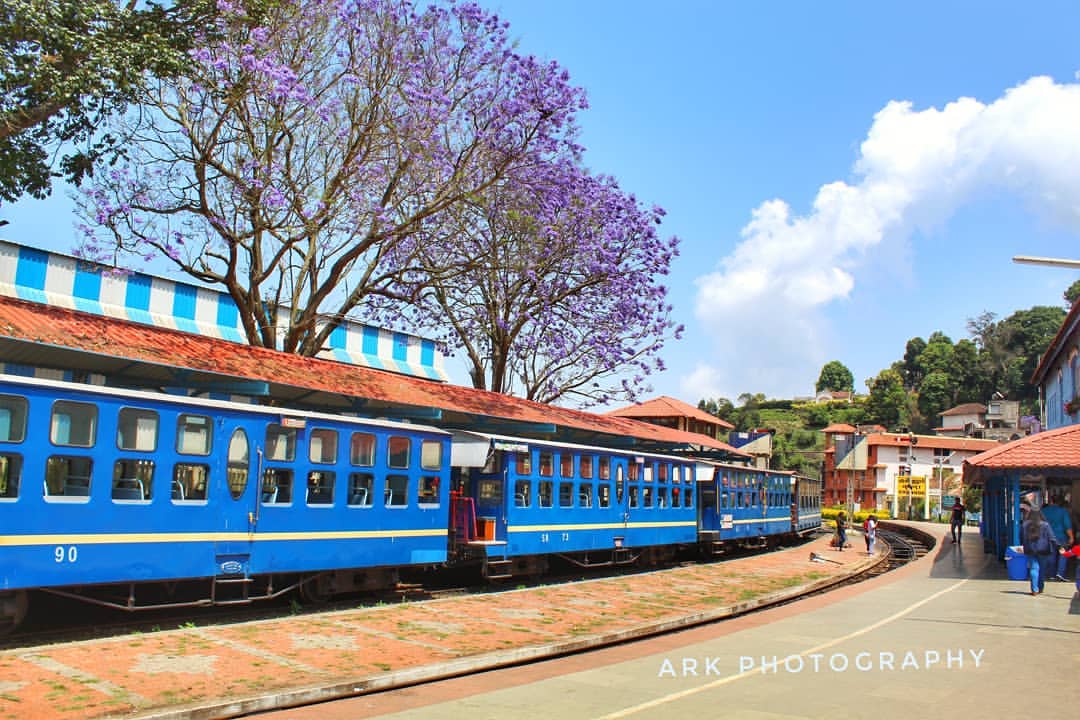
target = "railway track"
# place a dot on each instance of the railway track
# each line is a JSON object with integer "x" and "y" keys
{"x": 58, "y": 620}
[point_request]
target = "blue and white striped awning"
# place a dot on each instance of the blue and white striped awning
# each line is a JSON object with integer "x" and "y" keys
{"x": 60, "y": 280}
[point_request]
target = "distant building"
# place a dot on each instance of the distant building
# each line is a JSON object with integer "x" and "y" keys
{"x": 1058, "y": 374}
{"x": 672, "y": 413}
{"x": 998, "y": 420}
{"x": 756, "y": 443}
{"x": 834, "y": 396}
{"x": 889, "y": 472}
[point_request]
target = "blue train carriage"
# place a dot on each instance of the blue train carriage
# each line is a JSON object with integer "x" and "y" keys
{"x": 743, "y": 506}
{"x": 520, "y": 502}
{"x": 806, "y": 510}
{"x": 107, "y": 494}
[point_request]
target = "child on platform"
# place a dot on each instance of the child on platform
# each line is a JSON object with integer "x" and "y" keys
{"x": 1074, "y": 552}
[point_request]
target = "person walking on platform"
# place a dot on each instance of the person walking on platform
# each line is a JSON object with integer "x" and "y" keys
{"x": 1038, "y": 549}
{"x": 956, "y": 523}
{"x": 841, "y": 530}
{"x": 1056, "y": 515}
{"x": 870, "y": 533}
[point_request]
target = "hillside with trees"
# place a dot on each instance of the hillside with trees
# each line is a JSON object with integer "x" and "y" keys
{"x": 934, "y": 374}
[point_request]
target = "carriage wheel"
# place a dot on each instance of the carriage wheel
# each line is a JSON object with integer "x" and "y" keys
{"x": 14, "y": 605}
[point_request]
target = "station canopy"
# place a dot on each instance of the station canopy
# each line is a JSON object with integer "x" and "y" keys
{"x": 135, "y": 355}
{"x": 1051, "y": 453}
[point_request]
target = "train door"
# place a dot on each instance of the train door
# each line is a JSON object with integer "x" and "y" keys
{"x": 237, "y": 497}
{"x": 622, "y": 499}
{"x": 490, "y": 493}
{"x": 708, "y": 510}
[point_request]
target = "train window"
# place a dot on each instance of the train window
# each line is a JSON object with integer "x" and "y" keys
{"x": 189, "y": 482}
{"x": 662, "y": 472}
{"x": 647, "y": 475}
{"x": 633, "y": 496}
{"x": 397, "y": 491}
{"x": 724, "y": 500}
{"x": 280, "y": 443}
{"x": 68, "y": 477}
{"x": 633, "y": 470}
{"x": 362, "y": 449}
{"x": 137, "y": 430}
{"x": 193, "y": 434}
{"x": 10, "y": 473}
{"x": 320, "y": 487}
{"x": 361, "y": 489}
{"x": 688, "y": 497}
{"x": 604, "y": 491}
{"x": 132, "y": 479}
{"x": 661, "y": 497}
{"x": 12, "y": 418}
{"x": 429, "y": 491}
{"x": 604, "y": 464}
{"x": 647, "y": 495}
{"x": 586, "y": 466}
{"x": 546, "y": 492}
{"x": 397, "y": 452}
{"x": 523, "y": 461}
{"x": 73, "y": 424}
{"x": 236, "y": 472}
{"x": 566, "y": 464}
{"x": 277, "y": 486}
{"x": 620, "y": 484}
{"x": 675, "y": 497}
{"x": 490, "y": 491}
{"x": 430, "y": 454}
{"x": 322, "y": 448}
{"x": 523, "y": 493}
{"x": 566, "y": 494}
{"x": 547, "y": 464}
{"x": 585, "y": 495}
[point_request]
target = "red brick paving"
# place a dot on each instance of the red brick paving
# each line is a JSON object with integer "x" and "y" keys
{"x": 145, "y": 674}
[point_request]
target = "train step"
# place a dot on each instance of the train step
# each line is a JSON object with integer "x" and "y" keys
{"x": 498, "y": 569}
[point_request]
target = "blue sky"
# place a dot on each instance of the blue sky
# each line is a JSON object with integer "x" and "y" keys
{"x": 820, "y": 217}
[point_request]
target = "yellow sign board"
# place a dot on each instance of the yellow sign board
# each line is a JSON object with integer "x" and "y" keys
{"x": 907, "y": 485}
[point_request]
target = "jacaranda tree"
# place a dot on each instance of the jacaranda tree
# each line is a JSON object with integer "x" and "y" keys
{"x": 554, "y": 291}
{"x": 314, "y": 143}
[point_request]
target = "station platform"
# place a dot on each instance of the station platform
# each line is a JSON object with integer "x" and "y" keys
{"x": 227, "y": 670}
{"x": 947, "y": 635}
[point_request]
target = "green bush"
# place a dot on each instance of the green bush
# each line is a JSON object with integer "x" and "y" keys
{"x": 830, "y": 513}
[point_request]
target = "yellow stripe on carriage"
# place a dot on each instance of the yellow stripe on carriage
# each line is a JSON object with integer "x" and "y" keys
{"x": 122, "y": 538}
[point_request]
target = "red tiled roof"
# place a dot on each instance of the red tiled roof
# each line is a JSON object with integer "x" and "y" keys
{"x": 933, "y": 442}
{"x": 1057, "y": 449}
{"x": 966, "y": 409}
{"x": 112, "y": 338}
{"x": 665, "y": 406}
{"x": 839, "y": 428}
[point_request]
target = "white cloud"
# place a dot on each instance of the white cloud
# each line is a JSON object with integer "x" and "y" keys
{"x": 914, "y": 169}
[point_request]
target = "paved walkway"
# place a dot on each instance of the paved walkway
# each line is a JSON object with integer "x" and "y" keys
{"x": 947, "y": 635}
{"x": 218, "y": 671}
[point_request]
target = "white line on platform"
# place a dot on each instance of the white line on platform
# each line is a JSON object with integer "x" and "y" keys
{"x": 635, "y": 709}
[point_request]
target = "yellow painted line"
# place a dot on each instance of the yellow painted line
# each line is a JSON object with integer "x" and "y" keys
{"x": 122, "y": 538}
{"x": 597, "y": 526}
